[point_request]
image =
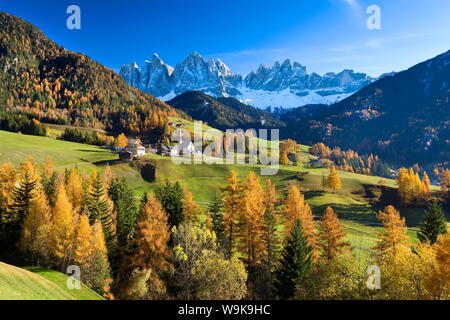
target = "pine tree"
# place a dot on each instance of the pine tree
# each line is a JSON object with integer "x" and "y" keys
{"x": 232, "y": 198}
{"x": 126, "y": 211}
{"x": 331, "y": 235}
{"x": 36, "y": 229}
{"x": 171, "y": 198}
{"x": 333, "y": 180}
{"x": 215, "y": 208}
{"x": 191, "y": 209}
{"x": 62, "y": 230}
{"x": 251, "y": 220}
{"x": 21, "y": 195}
{"x": 295, "y": 264}
{"x": 100, "y": 208}
{"x": 433, "y": 225}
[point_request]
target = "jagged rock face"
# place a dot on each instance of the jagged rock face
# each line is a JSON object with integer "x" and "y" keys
{"x": 213, "y": 76}
{"x": 131, "y": 74}
{"x": 156, "y": 76}
{"x": 287, "y": 84}
{"x": 294, "y": 76}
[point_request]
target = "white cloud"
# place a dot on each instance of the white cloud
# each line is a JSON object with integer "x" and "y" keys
{"x": 352, "y": 3}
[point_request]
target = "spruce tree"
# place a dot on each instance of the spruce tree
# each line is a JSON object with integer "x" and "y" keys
{"x": 100, "y": 208}
{"x": 215, "y": 208}
{"x": 433, "y": 225}
{"x": 126, "y": 210}
{"x": 21, "y": 195}
{"x": 295, "y": 264}
{"x": 171, "y": 197}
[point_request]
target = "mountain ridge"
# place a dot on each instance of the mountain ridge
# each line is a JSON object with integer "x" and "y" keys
{"x": 286, "y": 84}
{"x": 404, "y": 118}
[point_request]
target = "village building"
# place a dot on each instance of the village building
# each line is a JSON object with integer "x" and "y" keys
{"x": 136, "y": 147}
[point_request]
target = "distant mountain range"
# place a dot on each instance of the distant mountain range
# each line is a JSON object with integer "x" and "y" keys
{"x": 223, "y": 112}
{"x": 405, "y": 118}
{"x": 286, "y": 84}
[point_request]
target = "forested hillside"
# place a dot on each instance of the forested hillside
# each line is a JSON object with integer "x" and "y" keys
{"x": 42, "y": 79}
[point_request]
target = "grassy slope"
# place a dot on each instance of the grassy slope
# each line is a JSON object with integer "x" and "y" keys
{"x": 38, "y": 284}
{"x": 353, "y": 203}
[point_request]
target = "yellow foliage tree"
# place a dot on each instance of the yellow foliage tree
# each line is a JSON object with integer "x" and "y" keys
{"x": 331, "y": 236}
{"x": 445, "y": 183}
{"x": 152, "y": 235}
{"x": 333, "y": 180}
{"x": 121, "y": 141}
{"x": 191, "y": 209}
{"x": 394, "y": 237}
{"x": 36, "y": 229}
{"x": 74, "y": 189}
{"x": 426, "y": 189}
{"x": 294, "y": 208}
{"x": 251, "y": 220}
{"x": 232, "y": 198}
{"x": 82, "y": 246}
{"x": 62, "y": 231}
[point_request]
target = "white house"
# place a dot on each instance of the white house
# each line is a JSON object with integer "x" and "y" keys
{"x": 136, "y": 147}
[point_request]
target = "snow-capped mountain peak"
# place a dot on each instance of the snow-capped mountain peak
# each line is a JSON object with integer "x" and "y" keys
{"x": 287, "y": 84}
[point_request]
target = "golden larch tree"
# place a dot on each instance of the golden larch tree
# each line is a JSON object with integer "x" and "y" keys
{"x": 331, "y": 235}
{"x": 62, "y": 230}
{"x": 191, "y": 209}
{"x": 394, "y": 236}
{"x": 82, "y": 246}
{"x": 74, "y": 189}
{"x": 232, "y": 198}
{"x": 295, "y": 208}
{"x": 36, "y": 229}
{"x": 333, "y": 180}
{"x": 121, "y": 141}
{"x": 152, "y": 235}
{"x": 426, "y": 188}
{"x": 251, "y": 220}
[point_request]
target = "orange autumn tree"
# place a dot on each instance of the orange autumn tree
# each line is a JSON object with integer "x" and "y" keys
{"x": 151, "y": 237}
{"x": 251, "y": 220}
{"x": 62, "y": 230}
{"x": 74, "y": 189}
{"x": 232, "y": 198}
{"x": 191, "y": 209}
{"x": 121, "y": 141}
{"x": 331, "y": 236}
{"x": 271, "y": 238}
{"x": 36, "y": 229}
{"x": 445, "y": 184}
{"x": 394, "y": 236}
{"x": 426, "y": 187}
{"x": 82, "y": 245}
{"x": 98, "y": 273}
{"x": 295, "y": 208}
{"x": 333, "y": 180}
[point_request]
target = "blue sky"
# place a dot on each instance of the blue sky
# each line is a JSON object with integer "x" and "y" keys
{"x": 324, "y": 35}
